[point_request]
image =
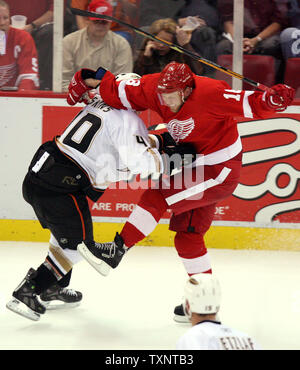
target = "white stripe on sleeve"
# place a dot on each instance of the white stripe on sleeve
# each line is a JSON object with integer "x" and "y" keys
{"x": 122, "y": 94}
{"x": 246, "y": 106}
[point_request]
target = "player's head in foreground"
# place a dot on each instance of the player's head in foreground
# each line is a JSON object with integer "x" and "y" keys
{"x": 175, "y": 84}
{"x": 202, "y": 297}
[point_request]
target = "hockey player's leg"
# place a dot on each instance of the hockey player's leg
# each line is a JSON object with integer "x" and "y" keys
{"x": 190, "y": 228}
{"x": 191, "y": 249}
{"x": 61, "y": 262}
{"x": 46, "y": 285}
{"x": 142, "y": 221}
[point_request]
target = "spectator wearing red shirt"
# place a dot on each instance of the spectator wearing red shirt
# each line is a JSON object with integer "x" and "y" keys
{"x": 18, "y": 55}
{"x": 39, "y": 15}
{"x": 262, "y": 25}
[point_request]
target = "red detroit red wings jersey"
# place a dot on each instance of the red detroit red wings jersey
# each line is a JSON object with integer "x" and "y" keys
{"x": 207, "y": 118}
{"x": 19, "y": 65}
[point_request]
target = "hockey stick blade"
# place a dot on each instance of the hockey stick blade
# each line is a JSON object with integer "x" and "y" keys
{"x": 178, "y": 48}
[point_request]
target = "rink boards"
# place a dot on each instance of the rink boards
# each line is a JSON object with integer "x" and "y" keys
{"x": 263, "y": 212}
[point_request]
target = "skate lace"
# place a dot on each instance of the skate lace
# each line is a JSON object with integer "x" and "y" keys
{"x": 107, "y": 248}
{"x": 69, "y": 291}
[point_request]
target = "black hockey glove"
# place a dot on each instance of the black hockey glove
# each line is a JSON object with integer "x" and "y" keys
{"x": 168, "y": 146}
{"x": 174, "y": 156}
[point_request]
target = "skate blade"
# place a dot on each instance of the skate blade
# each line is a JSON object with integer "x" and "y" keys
{"x": 58, "y": 305}
{"x": 21, "y": 309}
{"x": 100, "y": 266}
{"x": 182, "y": 319}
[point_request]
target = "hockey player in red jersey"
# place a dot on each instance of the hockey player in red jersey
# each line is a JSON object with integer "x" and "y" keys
{"x": 18, "y": 55}
{"x": 196, "y": 110}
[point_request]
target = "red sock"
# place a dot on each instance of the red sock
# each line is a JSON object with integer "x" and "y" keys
{"x": 131, "y": 235}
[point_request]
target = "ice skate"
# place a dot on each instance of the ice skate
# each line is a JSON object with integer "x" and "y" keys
{"x": 25, "y": 301}
{"x": 57, "y": 297}
{"x": 180, "y": 316}
{"x": 104, "y": 256}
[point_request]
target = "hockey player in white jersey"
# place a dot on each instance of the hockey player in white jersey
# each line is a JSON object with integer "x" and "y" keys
{"x": 101, "y": 145}
{"x": 202, "y": 298}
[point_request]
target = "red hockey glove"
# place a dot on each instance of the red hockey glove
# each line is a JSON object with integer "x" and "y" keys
{"x": 78, "y": 87}
{"x": 279, "y": 97}
{"x": 88, "y": 96}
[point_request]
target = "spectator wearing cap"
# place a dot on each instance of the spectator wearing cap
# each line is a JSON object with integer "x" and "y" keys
{"x": 96, "y": 45}
{"x": 125, "y": 10}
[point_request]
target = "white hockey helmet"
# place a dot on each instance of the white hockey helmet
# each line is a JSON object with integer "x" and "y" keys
{"x": 202, "y": 294}
{"x": 127, "y": 76}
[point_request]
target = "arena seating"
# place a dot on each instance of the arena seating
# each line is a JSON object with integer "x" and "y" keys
{"x": 292, "y": 74}
{"x": 259, "y": 68}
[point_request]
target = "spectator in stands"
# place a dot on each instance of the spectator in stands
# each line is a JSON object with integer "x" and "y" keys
{"x": 154, "y": 56}
{"x": 262, "y": 25}
{"x": 290, "y": 37}
{"x": 39, "y": 15}
{"x": 18, "y": 55}
{"x": 125, "y": 10}
{"x": 153, "y": 10}
{"x": 95, "y": 45}
{"x": 204, "y": 38}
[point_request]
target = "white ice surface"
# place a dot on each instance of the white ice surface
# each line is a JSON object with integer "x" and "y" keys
{"x": 132, "y": 308}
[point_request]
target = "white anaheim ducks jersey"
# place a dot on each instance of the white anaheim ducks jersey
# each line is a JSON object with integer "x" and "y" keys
{"x": 109, "y": 144}
{"x": 212, "y": 335}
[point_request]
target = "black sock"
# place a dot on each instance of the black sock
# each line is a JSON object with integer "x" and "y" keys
{"x": 43, "y": 279}
{"x": 65, "y": 281}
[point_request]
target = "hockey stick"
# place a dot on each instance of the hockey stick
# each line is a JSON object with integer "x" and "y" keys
{"x": 85, "y": 13}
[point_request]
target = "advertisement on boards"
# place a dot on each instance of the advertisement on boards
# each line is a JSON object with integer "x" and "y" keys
{"x": 268, "y": 190}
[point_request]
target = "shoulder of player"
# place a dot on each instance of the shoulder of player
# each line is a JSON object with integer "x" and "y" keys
{"x": 206, "y": 85}
{"x": 150, "y": 81}
{"x": 204, "y": 330}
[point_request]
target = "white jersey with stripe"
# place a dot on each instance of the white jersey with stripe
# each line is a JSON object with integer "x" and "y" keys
{"x": 212, "y": 335}
{"x": 109, "y": 144}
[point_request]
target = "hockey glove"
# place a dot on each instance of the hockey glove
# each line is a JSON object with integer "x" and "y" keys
{"x": 174, "y": 155}
{"x": 78, "y": 87}
{"x": 166, "y": 143}
{"x": 279, "y": 97}
{"x": 168, "y": 146}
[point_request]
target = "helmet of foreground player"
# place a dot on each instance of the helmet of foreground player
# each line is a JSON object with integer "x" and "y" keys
{"x": 202, "y": 294}
{"x": 127, "y": 76}
{"x": 175, "y": 76}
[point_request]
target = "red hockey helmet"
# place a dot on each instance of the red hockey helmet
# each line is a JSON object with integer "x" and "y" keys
{"x": 175, "y": 76}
